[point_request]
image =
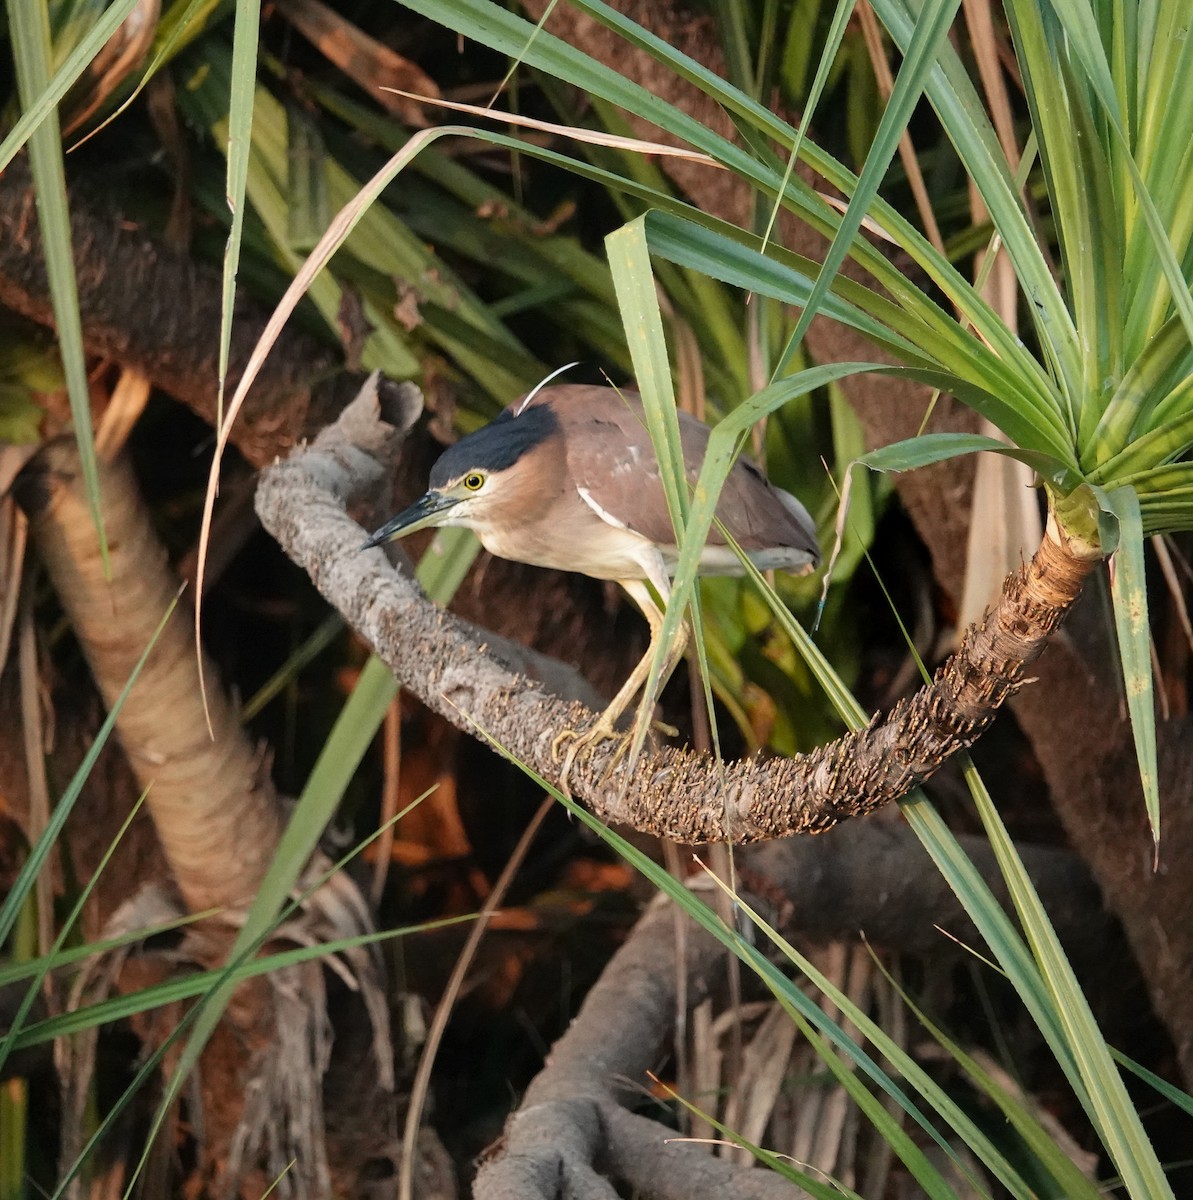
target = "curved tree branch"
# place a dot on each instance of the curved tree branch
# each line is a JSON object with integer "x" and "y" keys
{"x": 572, "y": 1118}
{"x": 458, "y": 670}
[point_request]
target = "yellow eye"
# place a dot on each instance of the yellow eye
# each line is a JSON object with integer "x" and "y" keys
{"x": 474, "y": 482}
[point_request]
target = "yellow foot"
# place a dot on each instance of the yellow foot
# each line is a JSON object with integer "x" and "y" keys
{"x": 584, "y": 744}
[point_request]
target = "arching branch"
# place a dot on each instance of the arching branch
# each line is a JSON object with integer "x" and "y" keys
{"x": 481, "y": 685}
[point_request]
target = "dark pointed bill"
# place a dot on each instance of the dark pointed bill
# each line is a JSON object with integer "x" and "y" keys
{"x": 422, "y": 513}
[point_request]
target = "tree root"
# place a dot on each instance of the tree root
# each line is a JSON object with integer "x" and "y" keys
{"x": 572, "y": 1134}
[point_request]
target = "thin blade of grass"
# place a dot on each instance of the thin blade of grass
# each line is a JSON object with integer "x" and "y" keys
{"x": 34, "y": 112}
{"x": 1103, "y": 1092}
{"x": 32, "y": 52}
{"x": 1128, "y": 590}
{"x": 51, "y": 960}
{"x": 929, "y": 448}
{"x": 919, "y": 1079}
{"x": 40, "y": 852}
{"x": 1069, "y": 1181}
{"x": 1173, "y": 1095}
{"x": 842, "y": 15}
{"x": 203, "y": 983}
{"x": 813, "y": 1186}
{"x": 15, "y": 972}
{"x": 245, "y": 38}
{"x": 633, "y": 281}
{"x": 932, "y": 26}
{"x": 312, "y": 646}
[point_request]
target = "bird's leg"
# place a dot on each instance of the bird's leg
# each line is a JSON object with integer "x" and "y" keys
{"x": 605, "y": 727}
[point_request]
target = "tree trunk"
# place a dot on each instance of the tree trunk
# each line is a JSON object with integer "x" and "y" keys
{"x": 212, "y": 801}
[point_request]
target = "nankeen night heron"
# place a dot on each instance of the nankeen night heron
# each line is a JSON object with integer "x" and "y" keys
{"x": 566, "y": 477}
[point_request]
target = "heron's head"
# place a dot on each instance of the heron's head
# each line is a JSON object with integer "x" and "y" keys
{"x": 489, "y": 476}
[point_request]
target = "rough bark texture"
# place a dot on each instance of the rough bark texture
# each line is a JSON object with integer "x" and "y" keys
{"x": 145, "y": 306}
{"x": 213, "y": 806}
{"x": 571, "y": 1129}
{"x": 458, "y": 671}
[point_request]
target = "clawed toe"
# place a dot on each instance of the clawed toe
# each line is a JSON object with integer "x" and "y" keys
{"x": 584, "y": 744}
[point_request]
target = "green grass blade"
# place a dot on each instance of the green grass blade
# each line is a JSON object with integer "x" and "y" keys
{"x": 929, "y": 448}
{"x": 634, "y": 284}
{"x": 34, "y": 112}
{"x": 640, "y": 310}
{"x": 1173, "y": 1095}
{"x": 32, "y": 52}
{"x": 245, "y": 39}
{"x": 1128, "y": 590}
{"x": 52, "y": 960}
{"x": 33, "y": 865}
{"x": 15, "y": 972}
{"x": 1103, "y": 1092}
{"x": 312, "y": 646}
{"x": 842, "y": 16}
{"x": 919, "y": 1166}
{"x": 811, "y": 1185}
{"x": 199, "y": 984}
{"x": 637, "y": 298}
{"x": 1068, "y": 1180}
{"x": 932, "y": 26}
{"x": 996, "y": 928}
